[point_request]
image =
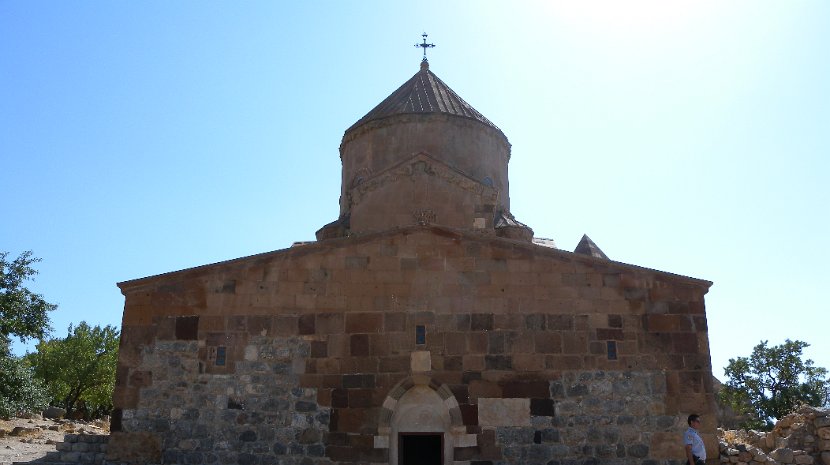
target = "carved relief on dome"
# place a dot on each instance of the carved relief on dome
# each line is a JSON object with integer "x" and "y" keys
{"x": 426, "y": 216}
{"x": 361, "y": 175}
{"x": 415, "y": 169}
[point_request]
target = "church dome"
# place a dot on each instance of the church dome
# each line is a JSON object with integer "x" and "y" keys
{"x": 423, "y": 93}
{"x": 423, "y": 155}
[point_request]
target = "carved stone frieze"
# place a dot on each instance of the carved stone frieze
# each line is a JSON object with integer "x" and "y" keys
{"x": 426, "y": 216}
{"x": 417, "y": 168}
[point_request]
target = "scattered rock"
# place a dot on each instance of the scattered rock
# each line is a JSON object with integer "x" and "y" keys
{"x": 54, "y": 412}
{"x": 23, "y": 431}
{"x": 800, "y": 438}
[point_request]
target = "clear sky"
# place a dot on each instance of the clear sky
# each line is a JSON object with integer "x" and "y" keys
{"x": 693, "y": 137}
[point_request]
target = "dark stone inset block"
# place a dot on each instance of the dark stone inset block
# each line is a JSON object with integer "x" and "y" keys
{"x": 498, "y": 362}
{"x": 306, "y": 325}
{"x": 537, "y": 437}
{"x": 542, "y": 407}
{"x": 248, "y": 436}
{"x": 469, "y": 414}
{"x": 523, "y": 389}
{"x": 481, "y": 322}
{"x": 319, "y": 349}
{"x": 615, "y": 321}
{"x": 461, "y": 393}
{"x": 535, "y": 322}
{"x": 359, "y": 381}
{"x": 468, "y": 376}
{"x": 610, "y": 333}
{"x": 187, "y": 328}
{"x": 339, "y": 398}
{"x": 359, "y": 345}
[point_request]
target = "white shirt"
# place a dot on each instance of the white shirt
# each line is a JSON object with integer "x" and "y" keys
{"x": 691, "y": 438}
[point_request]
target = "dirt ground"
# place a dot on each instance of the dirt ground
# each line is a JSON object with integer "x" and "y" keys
{"x": 38, "y": 437}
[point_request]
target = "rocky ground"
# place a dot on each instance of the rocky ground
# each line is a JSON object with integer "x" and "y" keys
{"x": 23, "y": 440}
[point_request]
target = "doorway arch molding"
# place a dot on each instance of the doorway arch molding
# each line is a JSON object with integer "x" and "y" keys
{"x": 454, "y": 431}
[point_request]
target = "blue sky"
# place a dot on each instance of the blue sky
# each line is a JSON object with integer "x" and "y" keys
{"x": 138, "y": 138}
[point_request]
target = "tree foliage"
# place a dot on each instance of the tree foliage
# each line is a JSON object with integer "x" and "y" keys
{"x": 79, "y": 370}
{"x": 772, "y": 382}
{"x": 22, "y": 312}
{"x": 19, "y": 391}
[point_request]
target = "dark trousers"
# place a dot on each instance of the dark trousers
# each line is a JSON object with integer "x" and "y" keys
{"x": 698, "y": 461}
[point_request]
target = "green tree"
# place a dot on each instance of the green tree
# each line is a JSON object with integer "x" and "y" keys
{"x": 772, "y": 382}
{"x": 23, "y": 314}
{"x": 19, "y": 390}
{"x": 79, "y": 370}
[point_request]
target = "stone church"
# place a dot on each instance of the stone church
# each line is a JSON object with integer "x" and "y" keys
{"x": 426, "y": 325}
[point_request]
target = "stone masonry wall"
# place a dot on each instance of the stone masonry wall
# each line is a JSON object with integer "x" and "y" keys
{"x": 302, "y": 356}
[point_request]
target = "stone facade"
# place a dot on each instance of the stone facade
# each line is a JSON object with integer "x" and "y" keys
{"x": 302, "y": 354}
{"x": 424, "y": 322}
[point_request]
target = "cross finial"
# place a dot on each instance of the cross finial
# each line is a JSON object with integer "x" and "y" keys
{"x": 425, "y": 46}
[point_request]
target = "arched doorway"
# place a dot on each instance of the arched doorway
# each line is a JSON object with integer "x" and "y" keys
{"x": 420, "y": 429}
{"x": 419, "y": 414}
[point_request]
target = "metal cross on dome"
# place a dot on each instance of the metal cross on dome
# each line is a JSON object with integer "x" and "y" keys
{"x": 425, "y": 45}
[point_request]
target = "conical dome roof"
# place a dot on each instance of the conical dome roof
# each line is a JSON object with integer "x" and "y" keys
{"x": 423, "y": 93}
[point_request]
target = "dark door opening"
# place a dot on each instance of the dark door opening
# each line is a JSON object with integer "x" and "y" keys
{"x": 421, "y": 449}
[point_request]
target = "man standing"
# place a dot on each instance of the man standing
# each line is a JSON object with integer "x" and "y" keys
{"x": 695, "y": 450}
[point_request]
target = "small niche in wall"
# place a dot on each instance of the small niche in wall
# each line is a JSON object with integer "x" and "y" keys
{"x": 220, "y": 355}
{"x": 612, "y": 350}
{"x": 420, "y": 334}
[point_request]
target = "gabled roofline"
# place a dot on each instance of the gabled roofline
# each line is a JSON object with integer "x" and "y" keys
{"x": 456, "y": 234}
